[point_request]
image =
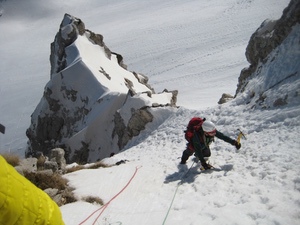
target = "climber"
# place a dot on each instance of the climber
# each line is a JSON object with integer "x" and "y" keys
{"x": 199, "y": 137}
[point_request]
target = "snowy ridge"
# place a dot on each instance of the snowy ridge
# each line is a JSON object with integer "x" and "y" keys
{"x": 92, "y": 106}
{"x": 202, "y": 50}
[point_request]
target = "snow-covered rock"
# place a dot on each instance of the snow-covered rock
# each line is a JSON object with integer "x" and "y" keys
{"x": 273, "y": 77}
{"x": 92, "y": 105}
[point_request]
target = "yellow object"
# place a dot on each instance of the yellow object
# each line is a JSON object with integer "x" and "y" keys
{"x": 21, "y": 202}
{"x": 240, "y": 136}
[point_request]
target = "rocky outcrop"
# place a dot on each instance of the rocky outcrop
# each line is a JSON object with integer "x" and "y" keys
{"x": 46, "y": 173}
{"x": 69, "y": 30}
{"x": 137, "y": 122}
{"x": 266, "y": 38}
{"x": 225, "y": 98}
{"x": 40, "y": 163}
{"x": 273, "y": 78}
{"x": 92, "y": 105}
{"x": 29, "y": 165}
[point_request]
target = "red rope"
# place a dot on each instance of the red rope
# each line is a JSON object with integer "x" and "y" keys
{"x": 105, "y": 205}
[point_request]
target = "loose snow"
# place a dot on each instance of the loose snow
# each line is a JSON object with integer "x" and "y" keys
{"x": 258, "y": 184}
{"x": 198, "y": 48}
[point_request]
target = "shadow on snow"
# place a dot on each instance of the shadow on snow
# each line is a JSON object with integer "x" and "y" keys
{"x": 184, "y": 174}
{"x": 188, "y": 175}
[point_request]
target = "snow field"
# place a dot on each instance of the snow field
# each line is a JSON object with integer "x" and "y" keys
{"x": 258, "y": 184}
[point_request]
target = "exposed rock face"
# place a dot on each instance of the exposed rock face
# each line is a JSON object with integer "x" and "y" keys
{"x": 136, "y": 123}
{"x": 69, "y": 30}
{"x": 92, "y": 105}
{"x": 41, "y": 164}
{"x": 56, "y": 162}
{"x": 267, "y": 52}
{"x": 225, "y": 98}
{"x": 266, "y": 38}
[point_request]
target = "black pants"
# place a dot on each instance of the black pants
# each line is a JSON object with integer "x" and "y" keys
{"x": 189, "y": 152}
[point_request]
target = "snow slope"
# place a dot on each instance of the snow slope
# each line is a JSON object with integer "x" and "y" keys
{"x": 200, "y": 51}
{"x": 259, "y": 184}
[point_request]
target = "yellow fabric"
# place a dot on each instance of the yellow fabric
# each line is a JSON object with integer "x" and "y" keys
{"x": 21, "y": 202}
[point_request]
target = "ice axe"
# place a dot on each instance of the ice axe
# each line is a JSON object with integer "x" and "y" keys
{"x": 240, "y": 135}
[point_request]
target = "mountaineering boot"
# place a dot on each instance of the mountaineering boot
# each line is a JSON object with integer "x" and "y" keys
{"x": 206, "y": 166}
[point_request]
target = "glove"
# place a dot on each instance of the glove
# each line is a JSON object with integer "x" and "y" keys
{"x": 237, "y": 145}
{"x": 206, "y": 166}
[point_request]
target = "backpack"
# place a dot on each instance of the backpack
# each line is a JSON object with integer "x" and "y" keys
{"x": 194, "y": 125}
